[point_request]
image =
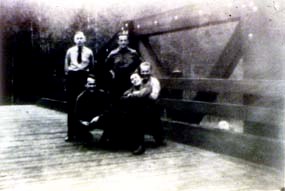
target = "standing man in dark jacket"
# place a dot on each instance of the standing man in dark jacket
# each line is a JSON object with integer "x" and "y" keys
{"x": 79, "y": 62}
{"x": 120, "y": 64}
{"x": 117, "y": 69}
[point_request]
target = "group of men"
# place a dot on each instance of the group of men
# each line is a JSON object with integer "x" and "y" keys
{"x": 125, "y": 106}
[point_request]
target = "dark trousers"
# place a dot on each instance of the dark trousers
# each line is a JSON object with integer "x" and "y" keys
{"x": 123, "y": 124}
{"x": 134, "y": 112}
{"x": 130, "y": 119}
{"x": 75, "y": 84}
{"x": 154, "y": 124}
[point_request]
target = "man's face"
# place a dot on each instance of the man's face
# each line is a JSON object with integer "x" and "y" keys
{"x": 91, "y": 84}
{"x": 123, "y": 41}
{"x": 136, "y": 79}
{"x": 79, "y": 39}
{"x": 145, "y": 72}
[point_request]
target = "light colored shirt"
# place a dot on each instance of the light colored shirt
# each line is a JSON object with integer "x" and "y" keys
{"x": 143, "y": 91}
{"x": 155, "y": 86}
{"x": 71, "y": 63}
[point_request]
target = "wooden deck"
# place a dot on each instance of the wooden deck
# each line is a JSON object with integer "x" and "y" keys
{"x": 34, "y": 156}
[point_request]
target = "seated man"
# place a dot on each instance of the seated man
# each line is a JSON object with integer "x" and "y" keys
{"x": 123, "y": 122}
{"x": 138, "y": 90}
{"x": 133, "y": 103}
{"x": 154, "y": 126}
{"x": 90, "y": 104}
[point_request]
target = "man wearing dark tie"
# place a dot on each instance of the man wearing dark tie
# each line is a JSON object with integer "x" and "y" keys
{"x": 79, "y": 63}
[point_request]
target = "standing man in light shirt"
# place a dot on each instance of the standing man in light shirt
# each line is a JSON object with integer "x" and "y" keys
{"x": 79, "y": 63}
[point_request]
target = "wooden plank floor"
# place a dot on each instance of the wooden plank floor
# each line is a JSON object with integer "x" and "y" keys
{"x": 34, "y": 157}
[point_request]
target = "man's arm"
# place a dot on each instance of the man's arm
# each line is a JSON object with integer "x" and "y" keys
{"x": 91, "y": 62}
{"x": 108, "y": 64}
{"x": 127, "y": 93}
{"x": 137, "y": 60}
{"x": 143, "y": 92}
{"x": 155, "y": 84}
{"x": 66, "y": 62}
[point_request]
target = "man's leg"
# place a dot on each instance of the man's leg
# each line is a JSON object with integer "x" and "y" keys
{"x": 75, "y": 85}
{"x": 156, "y": 124}
{"x": 139, "y": 142}
{"x": 70, "y": 109}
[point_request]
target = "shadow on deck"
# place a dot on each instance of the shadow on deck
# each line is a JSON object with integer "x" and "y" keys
{"x": 34, "y": 156}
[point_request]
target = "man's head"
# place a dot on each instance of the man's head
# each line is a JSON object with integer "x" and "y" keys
{"x": 136, "y": 80}
{"x": 123, "y": 40}
{"x": 145, "y": 70}
{"x": 79, "y": 38}
{"x": 90, "y": 84}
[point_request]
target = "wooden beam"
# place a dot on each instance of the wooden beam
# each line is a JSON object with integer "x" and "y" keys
{"x": 105, "y": 50}
{"x": 257, "y": 149}
{"x": 188, "y": 17}
{"x": 264, "y": 130}
{"x": 273, "y": 88}
{"x": 59, "y": 105}
{"x": 248, "y": 113}
{"x": 149, "y": 55}
{"x": 230, "y": 56}
{"x": 224, "y": 67}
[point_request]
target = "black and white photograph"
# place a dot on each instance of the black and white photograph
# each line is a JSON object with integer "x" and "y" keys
{"x": 137, "y": 95}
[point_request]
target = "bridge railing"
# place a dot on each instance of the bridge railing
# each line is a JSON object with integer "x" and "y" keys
{"x": 265, "y": 145}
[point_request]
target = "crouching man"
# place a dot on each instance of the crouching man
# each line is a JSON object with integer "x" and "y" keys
{"x": 90, "y": 105}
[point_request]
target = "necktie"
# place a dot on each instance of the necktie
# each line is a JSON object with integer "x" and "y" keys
{"x": 79, "y": 59}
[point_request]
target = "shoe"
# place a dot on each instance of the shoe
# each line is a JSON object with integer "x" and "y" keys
{"x": 139, "y": 150}
{"x": 160, "y": 143}
{"x": 103, "y": 141}
{"x": 69, "y": 139}
{"x": 86, "y": 137}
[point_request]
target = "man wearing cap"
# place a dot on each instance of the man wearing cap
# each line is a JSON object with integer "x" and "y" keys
{"x": 120, "y": 64}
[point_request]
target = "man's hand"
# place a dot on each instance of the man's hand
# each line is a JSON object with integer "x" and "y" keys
{"x": 85, "y": 123}
{"x": 95, "y": 119}
{"x": 112, "y": 74}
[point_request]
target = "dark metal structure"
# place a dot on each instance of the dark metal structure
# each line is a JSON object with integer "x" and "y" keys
{"x": 262, "y": 139}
